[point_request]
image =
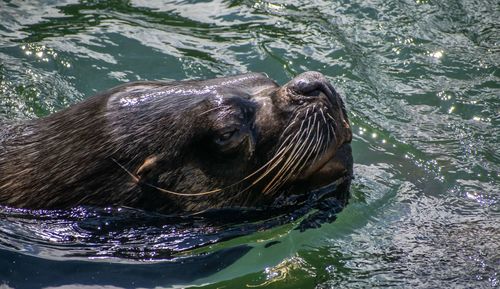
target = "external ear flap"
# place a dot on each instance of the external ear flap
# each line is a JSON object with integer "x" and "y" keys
{"x": 147, "y": 166}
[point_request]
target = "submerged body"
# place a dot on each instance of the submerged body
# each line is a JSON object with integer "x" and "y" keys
{"x": 186, "y": 146}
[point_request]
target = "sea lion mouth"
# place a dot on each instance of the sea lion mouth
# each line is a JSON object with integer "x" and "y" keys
{"x": 322, "y": 166}
{"x": 334, "y": 170}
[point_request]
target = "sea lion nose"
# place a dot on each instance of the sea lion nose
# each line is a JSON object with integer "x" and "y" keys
{"x": 312, "y": 84}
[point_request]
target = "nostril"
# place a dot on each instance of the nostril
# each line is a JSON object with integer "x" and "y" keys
{"x": 312, "y": 88}
{"x": 312, "y": 85}
{"x": 313, "y": 93}
{"x": 307, "y": 87}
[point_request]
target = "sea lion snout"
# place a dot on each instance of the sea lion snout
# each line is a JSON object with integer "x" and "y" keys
{"x": 312, "y": 89}
{"x": 310, "y": 86}
{"x": 317, "y": 109}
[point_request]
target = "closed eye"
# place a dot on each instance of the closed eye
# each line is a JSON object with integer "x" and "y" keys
{"x": 226, "y": 136}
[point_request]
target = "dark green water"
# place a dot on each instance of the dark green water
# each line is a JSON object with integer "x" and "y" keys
{"x": 421, "y": 81}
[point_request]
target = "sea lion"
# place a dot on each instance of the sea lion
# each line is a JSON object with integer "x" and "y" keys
{"x": 183, "y": 146}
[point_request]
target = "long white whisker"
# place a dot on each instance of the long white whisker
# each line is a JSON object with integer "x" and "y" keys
{"x": 289, "y": 166}
{"x": 288, "y": 161}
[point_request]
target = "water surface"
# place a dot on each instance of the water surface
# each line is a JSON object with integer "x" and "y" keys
{"x": 421, "y": 82}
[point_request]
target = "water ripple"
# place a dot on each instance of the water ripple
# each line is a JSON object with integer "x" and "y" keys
{"x": 421, "y": 81}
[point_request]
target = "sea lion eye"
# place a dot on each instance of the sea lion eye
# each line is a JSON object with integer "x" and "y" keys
{"x": 226, "y": 136}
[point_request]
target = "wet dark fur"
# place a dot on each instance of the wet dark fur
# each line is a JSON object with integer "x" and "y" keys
{"x": 115, "y": 147}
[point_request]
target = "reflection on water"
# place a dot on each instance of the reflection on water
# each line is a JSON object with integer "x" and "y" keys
{"x": 133, "y": 234}
{"x": 421, "y": 81}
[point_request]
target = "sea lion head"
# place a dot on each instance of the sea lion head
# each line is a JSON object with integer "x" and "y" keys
{"x": 186, "y": 146}
{"x": 236, "y": 141}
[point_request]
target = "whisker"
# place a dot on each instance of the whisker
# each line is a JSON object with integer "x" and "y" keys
{"x": 331, "y": 117}
{"x": 334, "y": 135}
{"x": 328, "y": 127}
{"x": 323, "y": 115}
{"x": 137, "y": 180}
{"x": 183, "y": 194}
{"x": 284, "y": 143}
{"x": 134, "y": 177}
{"x": 275, "y": 162}
{"x": 273, "y": 159}
{"x": 315, "y": 148}
{"x": 317, "y": 144}
{"x": 215, "y": 108}
{"x": 285, "y": 147}
{"x": 305, "y": 162}
{"x": 292, "y": 167}
{"x": 285, "y": 165}
{"x": 289, "y": 125}
{"x": 317, "y": 128}
{"x": 266, "y": 172}
{"x": 278, "y": 178}
{"x": 319, "y": 149}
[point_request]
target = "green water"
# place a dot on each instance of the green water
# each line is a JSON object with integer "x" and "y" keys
{"x": 421, "y": 81}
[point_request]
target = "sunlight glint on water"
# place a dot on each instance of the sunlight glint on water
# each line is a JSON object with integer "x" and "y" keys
{"x": 421, "y": 82}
